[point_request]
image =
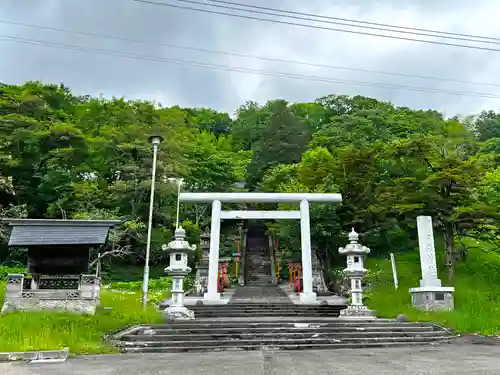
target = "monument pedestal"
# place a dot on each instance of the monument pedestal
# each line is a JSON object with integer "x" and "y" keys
{"x": 433, "y": 298}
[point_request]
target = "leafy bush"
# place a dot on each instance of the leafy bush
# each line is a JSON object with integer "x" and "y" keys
{"x": 5, "y": 270}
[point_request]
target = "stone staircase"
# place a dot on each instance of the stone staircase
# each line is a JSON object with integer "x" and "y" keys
{"x": 265, "y": 310}
{"x": 258, "y": 259}
{"x": 279, "y": 333}
{"x": 260, "y": 315}
{"x": 258, "y": 285}
{"x": 258, "y": 263}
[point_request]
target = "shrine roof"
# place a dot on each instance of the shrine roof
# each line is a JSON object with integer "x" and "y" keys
{"x": 43, "y": 232}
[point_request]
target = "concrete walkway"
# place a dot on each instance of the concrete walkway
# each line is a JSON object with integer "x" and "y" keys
{"x": 295, "y": 298}
{"x": 259, "y": 294}
{"x": 428, "y": 360}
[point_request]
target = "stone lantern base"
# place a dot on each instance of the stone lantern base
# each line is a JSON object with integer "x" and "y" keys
{"x": 357, "y": 312}
{"x": 178, "y": 313}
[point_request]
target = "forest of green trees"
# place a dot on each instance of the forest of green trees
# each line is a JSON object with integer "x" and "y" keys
{"x": 68, "y": 156}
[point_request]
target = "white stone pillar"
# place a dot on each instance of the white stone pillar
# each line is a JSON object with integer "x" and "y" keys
{"x": 213, "y": 263}
{"x": 427, "y": 252}
{"x": 307, "y": 296}
{"x": 431, "y": 295}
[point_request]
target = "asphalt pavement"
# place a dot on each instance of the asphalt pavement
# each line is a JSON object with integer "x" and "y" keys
{"x": 450, "y": 359}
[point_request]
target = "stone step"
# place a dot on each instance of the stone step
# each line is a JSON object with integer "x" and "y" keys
{"x": 286, "y": 330}
{"x": 331, "y": 335}
{"x": 266, "y": 314}
{"x": 279, "y": 341}
{"x": 282, "y": 311}
{"x": 289, "y": 323}
{"x": 249, "y": 333}
{"x": 216, "y": 345}
{"x": 285, "y": 305}
{"x": 282, "y": 307}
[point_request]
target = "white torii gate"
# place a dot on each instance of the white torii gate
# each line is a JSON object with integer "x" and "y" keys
{"x": 307, "y": 296}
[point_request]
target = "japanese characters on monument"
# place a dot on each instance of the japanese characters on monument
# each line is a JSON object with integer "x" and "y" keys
{"x": 426, "y": 246}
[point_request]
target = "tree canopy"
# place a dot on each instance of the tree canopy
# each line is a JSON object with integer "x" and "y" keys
{"x": 68, "y": 156}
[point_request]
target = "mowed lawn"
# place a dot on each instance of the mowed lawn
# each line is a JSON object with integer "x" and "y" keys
{"x": 81, "y": 334}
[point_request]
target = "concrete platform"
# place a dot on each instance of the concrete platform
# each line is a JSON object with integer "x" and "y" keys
{"x": 295, "y": 297}
{"x": 224, "y": 299}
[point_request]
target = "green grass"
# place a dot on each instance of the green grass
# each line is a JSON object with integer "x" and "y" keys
{"x": 477, "y": 305}
{"x": 82, "y": 334}
{"x": 477, "y": 291}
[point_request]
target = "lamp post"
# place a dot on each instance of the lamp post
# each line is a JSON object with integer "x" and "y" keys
{"x": 179, "y": 181}
{"x": 155, "y": 140}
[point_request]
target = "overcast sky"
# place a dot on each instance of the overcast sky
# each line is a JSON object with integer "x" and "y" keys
{"x": 169, "y": 84}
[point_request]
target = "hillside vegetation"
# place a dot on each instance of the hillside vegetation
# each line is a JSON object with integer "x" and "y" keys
{"x": 477, "y": 299}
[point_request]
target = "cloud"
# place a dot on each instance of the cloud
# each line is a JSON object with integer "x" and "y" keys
{"x": 88, "y": 73}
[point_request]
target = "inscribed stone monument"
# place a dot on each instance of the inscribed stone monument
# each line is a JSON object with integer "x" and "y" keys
{"x": 201, "y": 281}
{"x": 431, "y": 295}
{"x": 319, "y": 285}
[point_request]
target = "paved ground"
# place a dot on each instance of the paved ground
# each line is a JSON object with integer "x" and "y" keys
{"x": 261, "y": 293}
{"x": 437, "y": 360}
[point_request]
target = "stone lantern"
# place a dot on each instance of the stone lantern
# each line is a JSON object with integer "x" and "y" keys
{"x": 179, "y": 249}
{"x": 205, "y": 244}
{"x": 355, "y": 271}
{"x": 202, "y": 266}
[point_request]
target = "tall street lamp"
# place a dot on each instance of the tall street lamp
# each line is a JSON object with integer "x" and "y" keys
{"x": 155, "y": 140}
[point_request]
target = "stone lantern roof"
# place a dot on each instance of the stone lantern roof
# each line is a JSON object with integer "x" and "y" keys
{"x": 179, "y": 244}
{"x": 354, "y": 247}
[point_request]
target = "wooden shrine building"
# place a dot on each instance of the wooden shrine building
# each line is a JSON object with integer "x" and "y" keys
{"x": 58, "y": 275}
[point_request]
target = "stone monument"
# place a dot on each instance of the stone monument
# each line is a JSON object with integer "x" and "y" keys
{"x": 319, "y": 285}
{"x": 431, "y": 295}
{"x": 58, "y": 277}
{"x": 201, "y": 281}
{"x": 355, "y": 271}
{"x": 179, "y": 249}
